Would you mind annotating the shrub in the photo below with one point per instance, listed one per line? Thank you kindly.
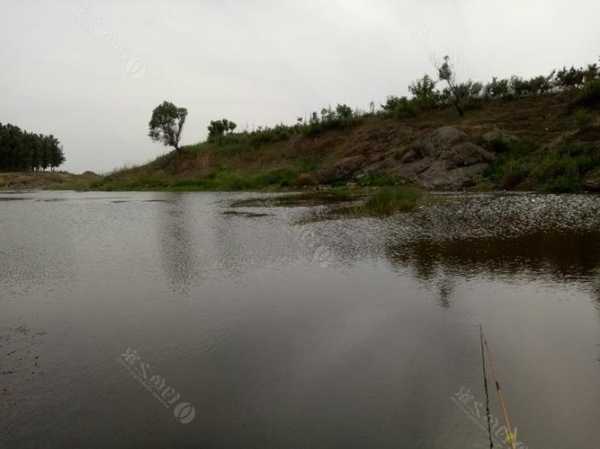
(399, 107)
(218, 128)
(389, 200)
(467, 94)
(583, 119)
(424, 93)
(541, 84)
(380, 180)
(282, 177)
(514, 172)
(569, 78)
(590, 94)
(497, 88)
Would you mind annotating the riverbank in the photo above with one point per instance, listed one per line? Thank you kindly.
(43, 180)
(540, 143)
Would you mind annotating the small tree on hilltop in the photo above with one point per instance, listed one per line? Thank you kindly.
(231, 126)
(218, 128)
(424, 92)
(167, 123)
(446, 73)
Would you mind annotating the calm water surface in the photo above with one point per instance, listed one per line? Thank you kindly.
(283, 333)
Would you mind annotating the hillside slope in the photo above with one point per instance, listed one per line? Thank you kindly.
(532, 143)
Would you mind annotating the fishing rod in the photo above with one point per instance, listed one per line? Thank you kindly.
(485, 387)
(511, 437)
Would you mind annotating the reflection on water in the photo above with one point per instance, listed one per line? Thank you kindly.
(176, 243)
(560, 256)
(347, 333)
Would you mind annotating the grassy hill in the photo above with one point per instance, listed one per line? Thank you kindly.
(539, 142)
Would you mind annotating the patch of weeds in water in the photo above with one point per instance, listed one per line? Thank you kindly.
(377, 202)
(305, 199)
(387, 201)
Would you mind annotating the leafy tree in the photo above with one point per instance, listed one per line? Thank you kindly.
(541, 85)
(344, 112)
(218, 128)
(424, 92)
(570, 78)
(592, 72)
(446, 73)
(497, 88)
(399, 107)
(167, 123)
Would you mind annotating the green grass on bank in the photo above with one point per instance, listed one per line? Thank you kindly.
(221, 180)
(560, 169)
(389, 200)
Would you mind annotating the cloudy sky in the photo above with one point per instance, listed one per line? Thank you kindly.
(90, 72)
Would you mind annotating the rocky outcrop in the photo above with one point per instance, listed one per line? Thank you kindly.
(444, 159)
(499, 139)
(591, 182)
(343, 169)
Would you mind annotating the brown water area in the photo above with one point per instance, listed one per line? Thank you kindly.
(162, 320)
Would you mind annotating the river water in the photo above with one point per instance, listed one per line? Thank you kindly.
(159, 320)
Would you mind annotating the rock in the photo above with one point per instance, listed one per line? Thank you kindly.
(306, 179)
(410, 156)
(466, 154)
(438, 177)
(342, 169)
(445, 160)
(438, 141)
(591, 182)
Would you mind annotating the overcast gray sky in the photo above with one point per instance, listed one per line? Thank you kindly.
(90, 72)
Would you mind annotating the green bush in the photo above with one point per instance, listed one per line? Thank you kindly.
(399, 107)
(424, 93)
(514, 172)
(380, 180)
(497, 88)
(389, 200)
(283, 177)
(583, 119)
(590, 94)
(562, 170)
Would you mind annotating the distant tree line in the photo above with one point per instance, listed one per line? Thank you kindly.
(425, 94)
(24, 151)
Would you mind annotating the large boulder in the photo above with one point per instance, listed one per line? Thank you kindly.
(438, 177)
(438, 141)
(443, 159)
(591, 182)
(466, 154)
(343, 169)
